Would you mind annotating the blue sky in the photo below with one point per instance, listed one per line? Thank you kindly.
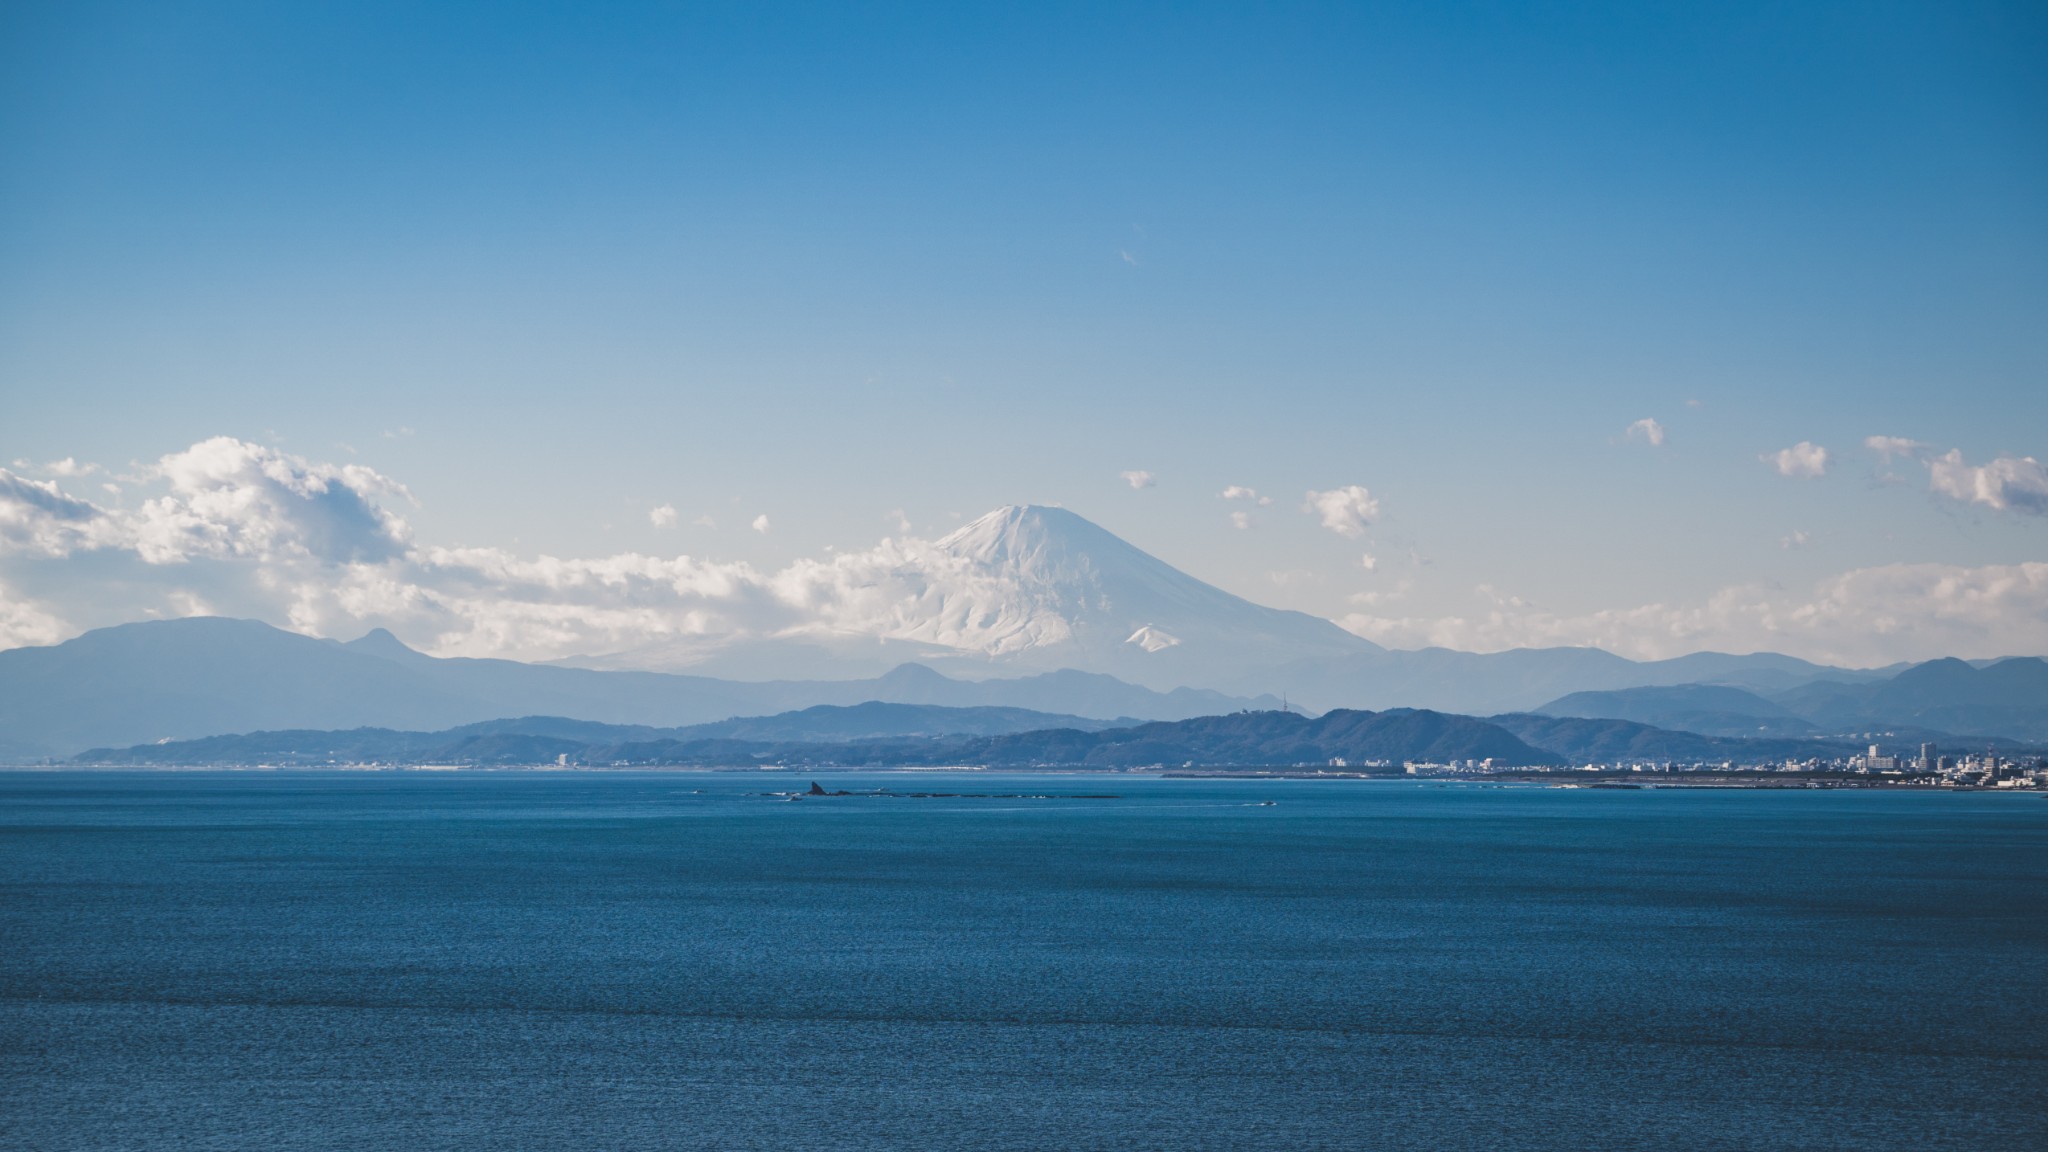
(553, 267)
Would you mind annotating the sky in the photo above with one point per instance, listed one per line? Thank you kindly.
(1657, 327)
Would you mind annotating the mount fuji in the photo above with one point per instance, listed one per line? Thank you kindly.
(1025, 588)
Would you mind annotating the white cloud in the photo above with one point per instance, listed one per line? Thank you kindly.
(1347, 511)
(1369, 562)
(1240, 492)
(1803, 460)
(1890, 446)
(1798, 538)
(663, 516)
(231, 498)
(1240, 519)
(2008, 484)
(1647, 429)
(1137, 478)
(902, 522)
(760, 523)
(1865, 617)
(705, 521)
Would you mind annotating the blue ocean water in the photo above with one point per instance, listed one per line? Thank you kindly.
(647, 961)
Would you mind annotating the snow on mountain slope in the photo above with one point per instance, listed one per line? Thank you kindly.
(1024, 588)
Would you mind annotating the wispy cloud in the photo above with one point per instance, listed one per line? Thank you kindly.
(1240, 492)
(1889, 447)
(66, 468)
(1138, 478)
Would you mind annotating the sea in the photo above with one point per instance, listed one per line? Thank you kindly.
(973, 960)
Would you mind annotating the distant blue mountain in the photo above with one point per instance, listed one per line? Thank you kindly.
(1586, 740)
(1940, 701)
(1708, 709)
(2004, 698)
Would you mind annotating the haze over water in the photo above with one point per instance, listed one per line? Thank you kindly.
(682, 961)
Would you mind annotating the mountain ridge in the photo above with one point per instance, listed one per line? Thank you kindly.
(1250, 738)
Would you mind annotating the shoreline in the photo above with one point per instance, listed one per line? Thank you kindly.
(1606, 780)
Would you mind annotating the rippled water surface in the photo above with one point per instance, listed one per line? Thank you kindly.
(551, 961)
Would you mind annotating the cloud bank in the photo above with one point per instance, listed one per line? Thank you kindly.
(241, 529)
(1869, 616)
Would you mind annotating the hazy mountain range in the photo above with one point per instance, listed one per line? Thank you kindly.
(1238, 739)
(1028, 607)
(178, 679)
(1939, 700)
